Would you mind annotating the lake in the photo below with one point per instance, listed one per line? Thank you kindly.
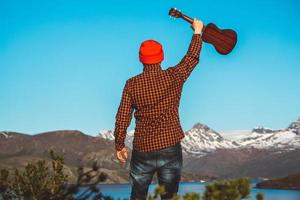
(123, 191)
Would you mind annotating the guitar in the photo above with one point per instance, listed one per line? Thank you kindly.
(223, 40)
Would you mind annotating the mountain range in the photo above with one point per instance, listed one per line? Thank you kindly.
(261, 152)
(201, 140)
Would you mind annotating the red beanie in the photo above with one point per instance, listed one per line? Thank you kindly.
(151, 52)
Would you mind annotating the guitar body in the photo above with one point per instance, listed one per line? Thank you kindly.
(223, 40)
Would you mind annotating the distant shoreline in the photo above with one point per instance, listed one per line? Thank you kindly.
(291, 182)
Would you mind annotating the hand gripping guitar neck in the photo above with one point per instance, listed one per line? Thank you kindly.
(223, 40)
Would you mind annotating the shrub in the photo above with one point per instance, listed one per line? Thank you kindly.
(38, 182)
(260, 196)
(235, 189)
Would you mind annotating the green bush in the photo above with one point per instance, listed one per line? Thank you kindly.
(235, 189)
(228, 189)
(260, 196)
(191, 196)
(38, 182)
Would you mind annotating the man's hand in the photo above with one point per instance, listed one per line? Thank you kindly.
(122, 155)
(197, 26)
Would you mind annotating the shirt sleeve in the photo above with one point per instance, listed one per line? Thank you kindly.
(184, 68)
(123, 118)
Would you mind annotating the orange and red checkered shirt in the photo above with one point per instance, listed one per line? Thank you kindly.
(154, 97)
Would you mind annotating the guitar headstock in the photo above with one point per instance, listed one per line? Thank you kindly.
(173, 12)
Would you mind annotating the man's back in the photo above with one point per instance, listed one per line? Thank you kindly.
(155, 96)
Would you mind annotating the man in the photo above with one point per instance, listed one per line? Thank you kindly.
(155, 96)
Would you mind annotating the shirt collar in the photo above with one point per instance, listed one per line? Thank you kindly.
(152, 67)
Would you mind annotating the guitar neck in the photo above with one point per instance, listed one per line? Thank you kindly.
(188, 19)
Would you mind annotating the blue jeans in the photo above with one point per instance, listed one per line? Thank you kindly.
(167, 163)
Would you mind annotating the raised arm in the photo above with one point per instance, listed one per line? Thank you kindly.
(184, 68)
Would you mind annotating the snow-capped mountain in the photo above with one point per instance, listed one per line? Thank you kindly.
(295, 127)
(201, 139)
(262, 138)
(4, 134)
(198, 141)
(274, 140)
(109, 134)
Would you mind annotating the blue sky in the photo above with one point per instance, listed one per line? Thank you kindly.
(63, 64)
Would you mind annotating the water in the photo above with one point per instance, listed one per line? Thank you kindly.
(122, 191)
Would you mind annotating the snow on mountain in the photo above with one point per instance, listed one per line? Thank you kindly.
(198, 141)
(4, 134)
(274, 140)
(109, 134)
(129, 139)
(201, 139)
(235, 134)
(295, 127)
(263, 138)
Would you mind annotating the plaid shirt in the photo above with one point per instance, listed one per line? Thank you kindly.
(154, 95)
